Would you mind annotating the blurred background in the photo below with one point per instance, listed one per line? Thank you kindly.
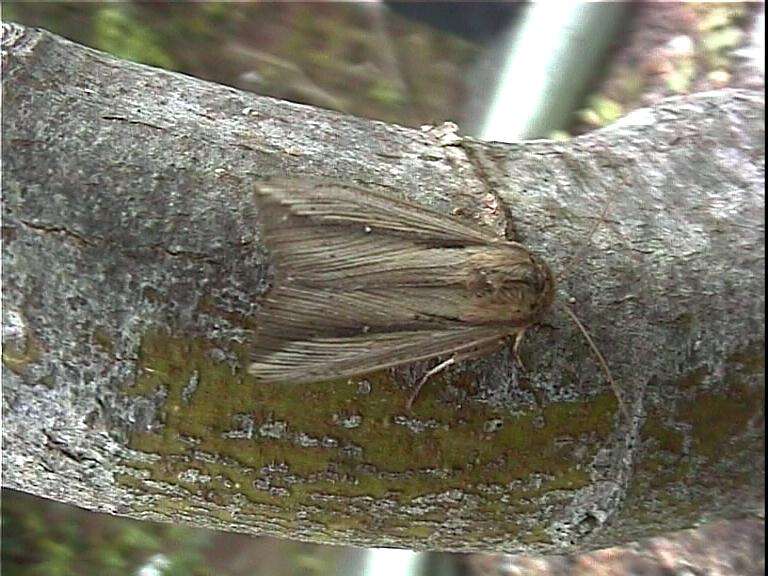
(500, 71)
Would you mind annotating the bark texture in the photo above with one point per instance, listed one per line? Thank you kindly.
(132, 270)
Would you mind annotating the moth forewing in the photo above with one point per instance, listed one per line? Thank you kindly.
(303, 362)
(363, 281)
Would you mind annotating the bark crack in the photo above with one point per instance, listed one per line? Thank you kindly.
(484, 168)
(47, 229)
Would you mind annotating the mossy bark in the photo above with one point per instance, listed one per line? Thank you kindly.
(132, 269)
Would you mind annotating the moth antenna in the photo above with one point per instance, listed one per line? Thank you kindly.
(601, 361)
(579, 256)
(592, 345)
(442, 366)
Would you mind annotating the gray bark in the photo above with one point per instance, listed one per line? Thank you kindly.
(132, 269)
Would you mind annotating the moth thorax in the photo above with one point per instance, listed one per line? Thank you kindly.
(510, 284)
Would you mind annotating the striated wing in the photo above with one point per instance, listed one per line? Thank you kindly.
(363, 281)
(331, 204)
(300, 312)
(278, 360)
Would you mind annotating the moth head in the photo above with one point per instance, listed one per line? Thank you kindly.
(546, 283)
(510, 285)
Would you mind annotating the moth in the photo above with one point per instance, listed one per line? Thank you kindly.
(362, 281)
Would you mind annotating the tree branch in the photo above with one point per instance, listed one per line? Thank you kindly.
(132, 269)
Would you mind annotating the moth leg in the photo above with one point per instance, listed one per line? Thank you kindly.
(480, 350)
(516, 349)
(442, 366)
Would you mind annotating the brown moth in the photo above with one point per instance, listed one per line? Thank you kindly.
(363, 281)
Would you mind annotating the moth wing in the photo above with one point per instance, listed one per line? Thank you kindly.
(304, 361)
(335, 204)
(329, 235)
(361, 282)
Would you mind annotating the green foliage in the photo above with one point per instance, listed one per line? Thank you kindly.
(682, 75)
(721, 33)
(601, 111)
(384, 92)
(116, 30)
(8, 13)
(332, 56)
(43, 538)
